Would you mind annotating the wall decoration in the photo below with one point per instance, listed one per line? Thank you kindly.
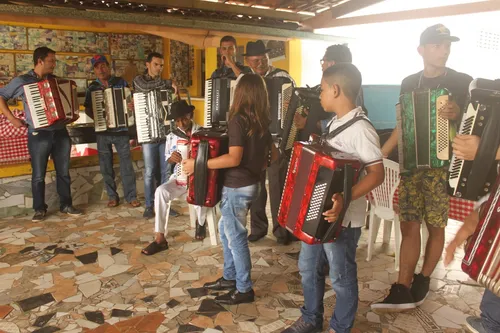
(128, 69)
(69, 41)
(13, 37)
(7, 65)
(179, 63)
(24, 63)
(278, 51)
(128, 46)
(74, 67)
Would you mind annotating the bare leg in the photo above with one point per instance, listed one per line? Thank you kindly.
(410, 252)
(433, 250)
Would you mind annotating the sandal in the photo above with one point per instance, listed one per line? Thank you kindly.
(113, 203)
(154, 248)
(201, 231)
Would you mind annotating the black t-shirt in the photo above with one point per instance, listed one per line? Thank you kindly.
(255, 153)
(456, 83)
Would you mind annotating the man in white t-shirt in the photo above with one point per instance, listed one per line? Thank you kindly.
(340, 87)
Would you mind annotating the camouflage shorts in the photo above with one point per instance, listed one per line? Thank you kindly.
(423, 196)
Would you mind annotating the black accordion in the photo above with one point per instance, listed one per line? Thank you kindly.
(302, 99)
(151, 109)
(218, 99)
(279, 91)
(473, 179)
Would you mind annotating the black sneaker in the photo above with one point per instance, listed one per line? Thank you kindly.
(420, 288)
(221, 284)
(39, 216)
(300, 326)
(148, 213)
(70, 210)
(235, 297)
(399, 299)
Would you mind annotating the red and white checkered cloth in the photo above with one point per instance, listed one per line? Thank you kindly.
(7, 130)
(459, 208)
(14, 150)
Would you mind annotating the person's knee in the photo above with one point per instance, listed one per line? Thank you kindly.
(162, 193)
(410, 229)
(436, 232)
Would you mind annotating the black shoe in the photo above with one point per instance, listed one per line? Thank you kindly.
(70, 210)
(300, 326)
(39, 216)
(283, 241)
(235, 297)
(173, 213)
(399, 299)
(221, 284)
(420, 288)
(148, 213)
(254, 238)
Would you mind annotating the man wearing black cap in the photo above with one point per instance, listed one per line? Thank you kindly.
(115, 136)
(257, 57)
(230, 67)
(423, 193)
(182, 114)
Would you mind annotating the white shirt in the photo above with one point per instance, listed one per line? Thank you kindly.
(171, 146)
(362, 142)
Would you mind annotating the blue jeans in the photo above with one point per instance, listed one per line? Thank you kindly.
(122, 145)
(156, 169)
(41, 144)
(341, 257)
(233, 233)
(490, 312)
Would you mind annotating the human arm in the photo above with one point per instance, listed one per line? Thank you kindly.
(13, 90)
(230, 160)
(465, 231)
(390, 144)
(465, 147)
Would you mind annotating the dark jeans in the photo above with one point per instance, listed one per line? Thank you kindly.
(122, 145)
(156, 169)
(258, 217)
(42, 144)
(490, 312)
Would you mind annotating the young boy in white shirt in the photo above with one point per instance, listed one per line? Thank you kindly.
(340, 86)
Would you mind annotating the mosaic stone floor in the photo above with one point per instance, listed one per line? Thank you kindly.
(87, 274)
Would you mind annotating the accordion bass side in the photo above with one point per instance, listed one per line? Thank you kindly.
(426, 136)
(205, 185)
(110, 108)
(218, 100)
(315, 173)
(52, 100)
(279, 90)
(302, 98)
(473, 179)
(151, 109)
(482, 254)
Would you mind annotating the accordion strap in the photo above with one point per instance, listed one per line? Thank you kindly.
(345, 126)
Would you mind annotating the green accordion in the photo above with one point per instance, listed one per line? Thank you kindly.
(424, 137)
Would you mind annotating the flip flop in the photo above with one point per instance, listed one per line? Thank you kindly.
(154, 248)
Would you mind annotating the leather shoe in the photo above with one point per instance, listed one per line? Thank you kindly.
(221, 284)
(301, 326)
(235, 297)
(254, 238)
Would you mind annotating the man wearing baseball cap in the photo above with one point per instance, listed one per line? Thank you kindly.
(119, 137)
(423, 193)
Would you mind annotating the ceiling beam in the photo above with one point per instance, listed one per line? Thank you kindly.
(221, 7)
(324, 18)
(202, 30)
(442, 11)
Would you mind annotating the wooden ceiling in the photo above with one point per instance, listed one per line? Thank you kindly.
(311, 6)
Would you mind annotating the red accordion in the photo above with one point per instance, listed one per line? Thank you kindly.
(205, 185)
(482, 254)
(314, 174)
(52, 100)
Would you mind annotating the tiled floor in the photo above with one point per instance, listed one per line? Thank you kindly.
(87, 274)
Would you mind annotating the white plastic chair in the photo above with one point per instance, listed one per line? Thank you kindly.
(382, 209)
(211, 218)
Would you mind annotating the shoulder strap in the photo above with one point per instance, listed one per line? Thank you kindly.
(276, 71)
(343, 127)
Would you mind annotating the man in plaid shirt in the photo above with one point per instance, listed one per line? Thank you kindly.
(156, 167)
(42, 142)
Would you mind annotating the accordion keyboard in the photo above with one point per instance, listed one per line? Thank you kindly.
(99, 110)
(141, 114)
(207, 119)
(36, 105)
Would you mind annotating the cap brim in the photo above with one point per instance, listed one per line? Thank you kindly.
(438, 40)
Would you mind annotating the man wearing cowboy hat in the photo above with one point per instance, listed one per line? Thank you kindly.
(258, 59)
(182, 114)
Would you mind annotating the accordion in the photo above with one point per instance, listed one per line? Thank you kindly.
(315, 173)
(110, 108)
(424, 137)
(218, 99)
(183, 149)
(302, 99)
(473, 179)
(151, 109)
(279, 90)
(205, 185)
(52, 100)
(482, 253)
